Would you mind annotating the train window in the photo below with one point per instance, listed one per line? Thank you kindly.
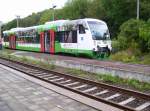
(37, 38)
(67, 36)
(60, 36)
(47, 35)
(74, 36)
(81, 29)
(28, 39)
(6, 39)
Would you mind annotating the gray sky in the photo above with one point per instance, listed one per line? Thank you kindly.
(10, 8)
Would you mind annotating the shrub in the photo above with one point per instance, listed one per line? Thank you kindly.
(146, 59)
(144, 35)
(134, 34)
(125, 56)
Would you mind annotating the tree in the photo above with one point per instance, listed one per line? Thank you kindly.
(75, 9)
(114, 12)
(134, 34)
(45, 16)
(96, 10)
(118, 11)
(144, 35)
(11, 24)
(144, 9)
(30, 20)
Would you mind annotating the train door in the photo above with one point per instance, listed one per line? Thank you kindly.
(47, 41)
(84, 38)
(12, 42)
(42, 42)
(52, 41)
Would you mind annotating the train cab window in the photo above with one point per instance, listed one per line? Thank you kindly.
(81, 29)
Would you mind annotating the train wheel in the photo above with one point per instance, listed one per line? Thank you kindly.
(107, 53)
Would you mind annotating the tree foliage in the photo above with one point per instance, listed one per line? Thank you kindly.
(75, 9)
(134, 34)
(144, 35)
(114, 12)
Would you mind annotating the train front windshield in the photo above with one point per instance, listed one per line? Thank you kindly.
(99, 30)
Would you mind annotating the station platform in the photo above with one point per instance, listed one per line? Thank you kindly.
(20, 94)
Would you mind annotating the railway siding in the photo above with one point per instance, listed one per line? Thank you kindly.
(124, 71)
(105, 70)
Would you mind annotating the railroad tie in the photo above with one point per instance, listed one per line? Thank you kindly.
(51, 77)
(143, 106)
(65, 81)
(113, 96)
(89, 90)
(70, 84)
(127, 101)
(53, 80)
(99, 93)
(81, 86)
(46, 76)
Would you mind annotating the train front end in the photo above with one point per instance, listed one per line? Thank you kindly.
(100, 38)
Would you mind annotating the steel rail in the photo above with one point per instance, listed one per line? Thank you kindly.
(114, 88)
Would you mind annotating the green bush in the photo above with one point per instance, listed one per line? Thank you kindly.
(145, 59)
(129, 33)
(125, 56)
(119, 44)
(134, 34)
(144, 35)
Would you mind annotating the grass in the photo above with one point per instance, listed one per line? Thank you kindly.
(145, 59)
(129, 57)
(6, 51)
(106, 78)
(39, 63)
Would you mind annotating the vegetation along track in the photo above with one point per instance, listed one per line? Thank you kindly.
(127, 100)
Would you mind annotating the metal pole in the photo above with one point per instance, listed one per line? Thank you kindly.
(54, 6)
(0, 32)
(17, 20)
(0, 29)
(53, 14)
(138, 9)
(0, 36)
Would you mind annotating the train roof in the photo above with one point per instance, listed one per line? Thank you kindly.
(57, 22)
(51, 25)
(16, 29)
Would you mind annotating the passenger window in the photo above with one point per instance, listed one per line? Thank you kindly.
(81, 29)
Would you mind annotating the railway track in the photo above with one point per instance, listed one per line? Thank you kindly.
(127, 100)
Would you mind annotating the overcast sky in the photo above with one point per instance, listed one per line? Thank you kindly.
(10, 8)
